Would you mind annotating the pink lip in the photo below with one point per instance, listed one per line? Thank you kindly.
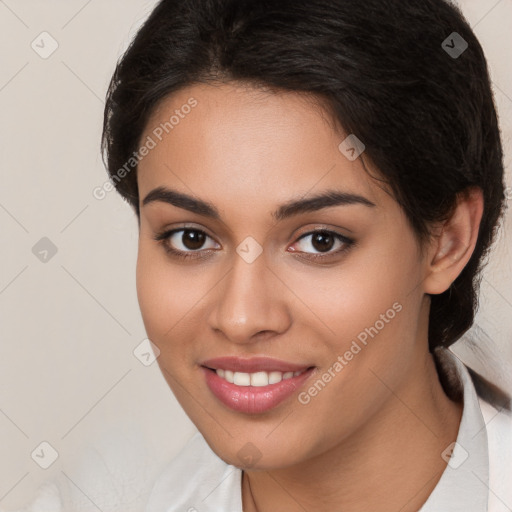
(253, 364)
(253, 399)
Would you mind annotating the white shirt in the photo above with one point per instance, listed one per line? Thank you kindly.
(478, 477)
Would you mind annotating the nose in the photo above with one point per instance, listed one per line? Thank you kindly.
(250, 304)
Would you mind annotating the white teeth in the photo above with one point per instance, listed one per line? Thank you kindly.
(257, 379)
(275, 377)
(242, 379)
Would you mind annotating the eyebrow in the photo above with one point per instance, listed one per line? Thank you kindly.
(293, 207)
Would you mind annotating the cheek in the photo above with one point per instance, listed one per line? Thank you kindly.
(169, 305)
(165, 294)
(152, 290)
(353, 296)
(369, 317)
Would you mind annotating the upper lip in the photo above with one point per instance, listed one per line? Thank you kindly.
(253, 364)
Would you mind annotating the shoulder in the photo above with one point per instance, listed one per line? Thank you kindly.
(197, 479)
(496, 419)
(495, 405)
(498, 423)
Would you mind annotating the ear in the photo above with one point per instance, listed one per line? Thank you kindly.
(454, 242)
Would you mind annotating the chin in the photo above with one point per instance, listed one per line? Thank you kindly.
(255, 452)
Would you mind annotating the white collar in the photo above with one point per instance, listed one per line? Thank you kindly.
(465, 481)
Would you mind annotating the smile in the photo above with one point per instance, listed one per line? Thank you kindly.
(254, 385)
(257, 379)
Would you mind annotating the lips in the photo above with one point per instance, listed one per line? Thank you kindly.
(254, 385)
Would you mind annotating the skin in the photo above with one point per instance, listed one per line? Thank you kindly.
(372, 438)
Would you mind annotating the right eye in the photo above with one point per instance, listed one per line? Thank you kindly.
(184, 242)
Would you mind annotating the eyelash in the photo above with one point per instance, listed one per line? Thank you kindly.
(163, 239)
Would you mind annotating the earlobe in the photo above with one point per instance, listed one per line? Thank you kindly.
(454, 243)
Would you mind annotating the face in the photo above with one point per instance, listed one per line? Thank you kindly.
(246, 274)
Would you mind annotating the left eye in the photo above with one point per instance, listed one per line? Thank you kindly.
(323, 241)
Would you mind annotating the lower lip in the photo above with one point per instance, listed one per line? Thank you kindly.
(253, 399)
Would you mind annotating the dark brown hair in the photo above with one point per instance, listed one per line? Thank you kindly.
(391, 72)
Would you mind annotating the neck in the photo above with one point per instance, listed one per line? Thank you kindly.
(392, 463)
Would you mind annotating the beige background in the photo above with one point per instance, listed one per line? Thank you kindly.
(69, 326)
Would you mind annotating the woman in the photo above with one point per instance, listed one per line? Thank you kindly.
(317, 185)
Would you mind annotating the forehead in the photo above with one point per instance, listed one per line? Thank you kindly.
(237, 141)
